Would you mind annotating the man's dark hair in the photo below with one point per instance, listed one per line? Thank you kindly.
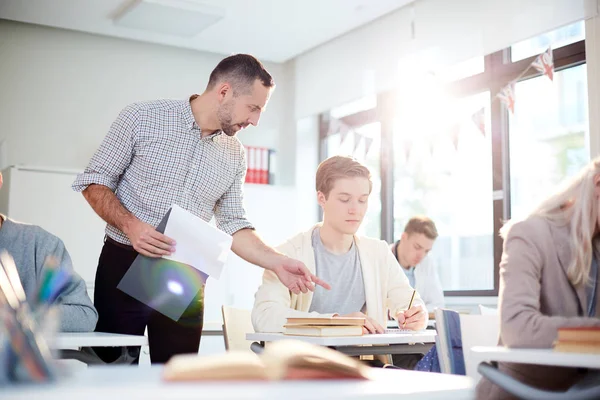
(240, 71)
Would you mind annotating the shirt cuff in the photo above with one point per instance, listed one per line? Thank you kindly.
(88, 178)
(232, 226)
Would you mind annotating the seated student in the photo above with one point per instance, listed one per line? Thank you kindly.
(549, 279)
(412, 253)
(30, 245)
(364, 276)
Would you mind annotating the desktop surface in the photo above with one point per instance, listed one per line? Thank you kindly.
(105, 382)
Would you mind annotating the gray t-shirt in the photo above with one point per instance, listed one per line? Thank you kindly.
(343, 272)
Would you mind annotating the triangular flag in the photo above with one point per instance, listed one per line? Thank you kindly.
(478, 119)
(454, 134)
(344, 131)
(507, 96)
(545, 63)
(368, 143)
(357, 137)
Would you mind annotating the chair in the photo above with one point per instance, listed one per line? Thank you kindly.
(477, 330)
(449, 342)
(236, 323)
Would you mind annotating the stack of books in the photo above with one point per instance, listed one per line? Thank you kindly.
(336, 326)
(578, 340)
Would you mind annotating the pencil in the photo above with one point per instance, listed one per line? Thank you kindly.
(410, 305)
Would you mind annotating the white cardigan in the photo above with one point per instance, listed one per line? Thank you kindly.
(386, 287)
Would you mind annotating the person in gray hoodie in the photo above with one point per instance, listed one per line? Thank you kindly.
(30, 246)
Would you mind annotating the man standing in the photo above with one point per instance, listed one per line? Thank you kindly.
(168, 152)
(412, 255)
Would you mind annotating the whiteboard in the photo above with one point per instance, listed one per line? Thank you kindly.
(43, 196)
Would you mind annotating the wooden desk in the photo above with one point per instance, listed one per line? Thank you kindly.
(122, 382)
(401, 343)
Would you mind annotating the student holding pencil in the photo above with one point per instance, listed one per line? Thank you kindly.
(365, 277)
(46, 273)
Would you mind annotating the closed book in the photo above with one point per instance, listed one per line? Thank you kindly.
(285, 359)
(579, 334)
(316, 330)
(322, 321)
(577, 347)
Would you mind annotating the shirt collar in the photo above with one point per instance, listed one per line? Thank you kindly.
(188, 116)
(190, 121)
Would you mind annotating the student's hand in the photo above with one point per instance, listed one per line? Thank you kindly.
(413, 318)
(370, 326)
(148, 241)
(296, 277)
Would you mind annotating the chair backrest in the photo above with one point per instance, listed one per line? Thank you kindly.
(477, 330)
(484, 310)
(449, 342)
(236, 323)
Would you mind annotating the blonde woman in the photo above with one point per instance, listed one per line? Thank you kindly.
(549, 279)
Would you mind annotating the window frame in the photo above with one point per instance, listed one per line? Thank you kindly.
(498, 71)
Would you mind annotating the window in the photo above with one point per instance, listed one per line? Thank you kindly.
(467, 180)
(557, 38)
(434, 174)
(548, 135)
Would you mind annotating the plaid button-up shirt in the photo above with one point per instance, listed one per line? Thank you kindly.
(154, 156)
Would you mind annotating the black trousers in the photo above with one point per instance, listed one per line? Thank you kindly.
(120, 313)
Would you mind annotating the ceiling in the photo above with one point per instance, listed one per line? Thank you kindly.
(272, 30)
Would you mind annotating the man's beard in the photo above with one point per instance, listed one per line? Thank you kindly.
(225, 120)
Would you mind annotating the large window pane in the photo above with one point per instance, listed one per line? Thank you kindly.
(557, 38)
(549, 135)
(448, 180)
(354, 143)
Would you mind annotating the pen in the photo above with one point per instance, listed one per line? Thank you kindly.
(409, 305)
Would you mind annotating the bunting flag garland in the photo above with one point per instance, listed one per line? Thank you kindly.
(545, 64)
(507, 96)
(478, 119)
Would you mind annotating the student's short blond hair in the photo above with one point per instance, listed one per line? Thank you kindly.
(423, 225)
(339, 167)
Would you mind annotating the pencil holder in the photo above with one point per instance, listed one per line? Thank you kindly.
(25, 355)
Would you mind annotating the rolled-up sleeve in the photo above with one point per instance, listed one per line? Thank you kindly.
(114, 155)
(229, 210)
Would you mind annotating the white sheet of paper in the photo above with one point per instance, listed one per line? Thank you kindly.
(198, 243)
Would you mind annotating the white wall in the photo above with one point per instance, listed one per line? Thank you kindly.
(61, 90)
(367, 59)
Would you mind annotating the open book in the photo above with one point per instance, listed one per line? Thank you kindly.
(285, 359)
